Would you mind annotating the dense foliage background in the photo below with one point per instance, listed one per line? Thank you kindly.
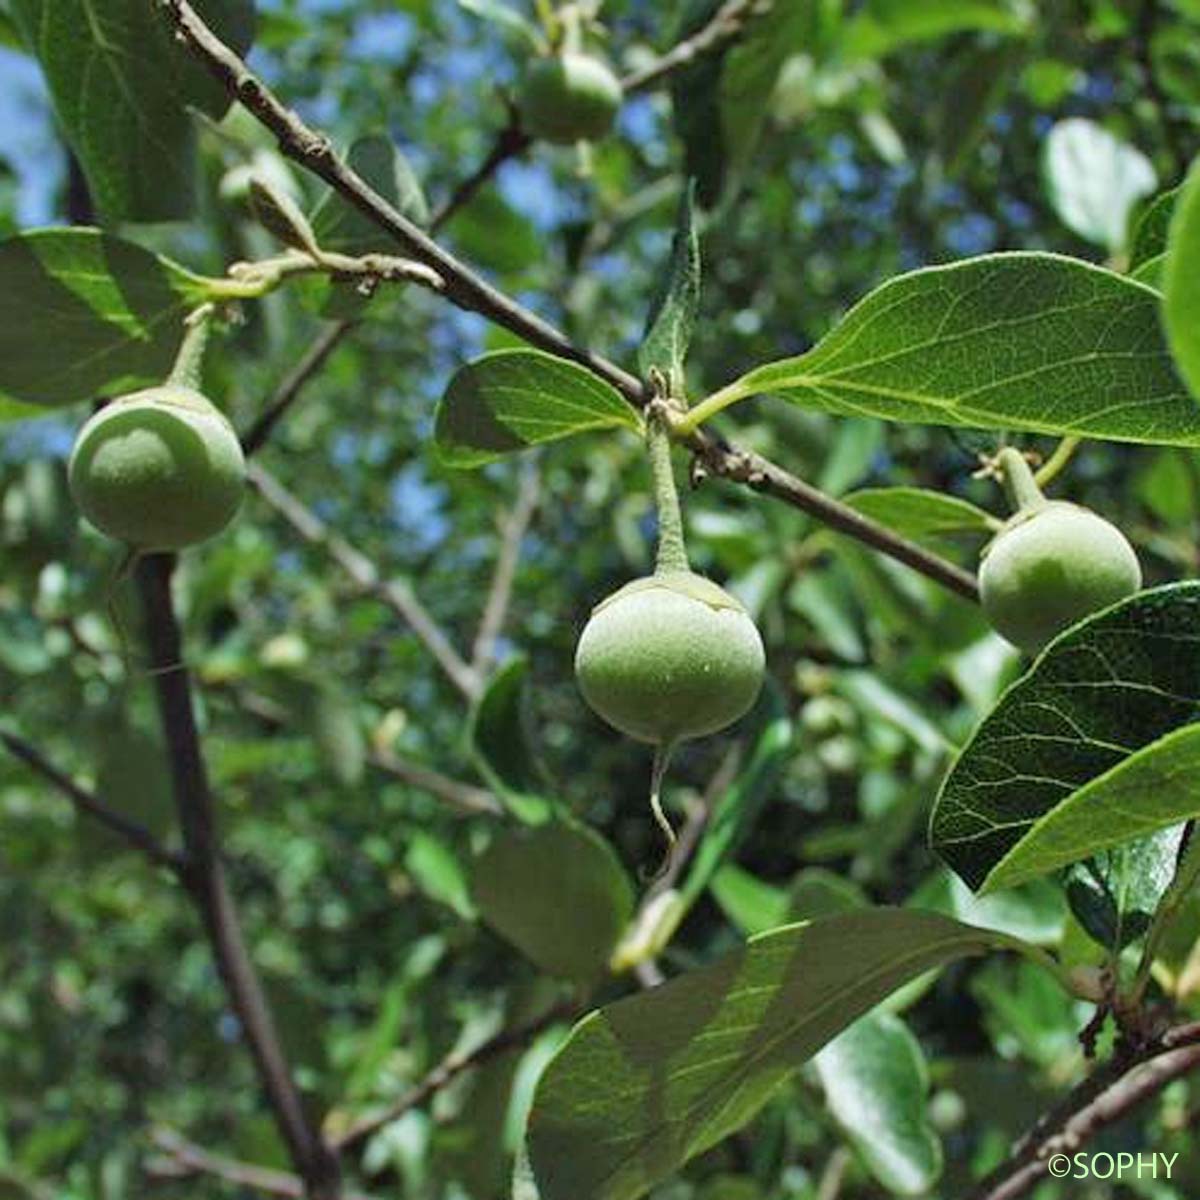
(897, 136)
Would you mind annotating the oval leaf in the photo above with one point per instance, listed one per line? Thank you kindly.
(122, 86)
(1027, 341)
(876, 1084)
(1150, 232)
(513, 399)
(1181, 282)
(645, 1084)
(1102, 691)
(118, 307)
(1094, 180)
(558, 893)
(1148, 791)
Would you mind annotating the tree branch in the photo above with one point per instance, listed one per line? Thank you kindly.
(396, 595)
(726, 26)
(204, 876)
(513, 530)
(464, 288)
(511, 142)
(293, 383)
(136, 835)
(1105, 1096)
(450, 1068)
(186, 1158)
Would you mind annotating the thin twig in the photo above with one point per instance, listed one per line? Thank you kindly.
(834, 1174)
(204, 875)
(468, 290)
(513, 529)
(1105, 1096)
(398, 596)
(183, 1158)
(511, 142)
(726, 26)
(293, 383)
(463, 797)
(450, 1068)
(136, 835)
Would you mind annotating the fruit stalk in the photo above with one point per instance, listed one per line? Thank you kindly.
(189, 361)
(672, 551)
(1020, 486)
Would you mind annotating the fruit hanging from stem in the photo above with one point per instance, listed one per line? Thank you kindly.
(670, 656)
(1052, 564)
(162, 468)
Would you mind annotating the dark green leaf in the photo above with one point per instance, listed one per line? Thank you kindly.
(122, 86)
(876, 1083)
(1102, 691)
(1036, 342)
(513, 399)
(502, 746)
(645, 1084)
(887, 25)
(82, 312)
(924, 516)
(558, 893)
(1150, 233)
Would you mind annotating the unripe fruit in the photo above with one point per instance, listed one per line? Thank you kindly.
(669, 657)
(570, 97)
(1051, 566)
(158, 469)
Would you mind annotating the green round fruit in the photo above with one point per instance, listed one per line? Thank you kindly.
(159, 469)
(1051, 566)
(569, 98)
(670, 657)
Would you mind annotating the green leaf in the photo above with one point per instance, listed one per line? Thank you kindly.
(979, 82)
(1150, 790)
(887, 25)
(876, 1083)
(341, 227)
(438, 872)
(1150, 233)
(1027, 341)
(502, 746)
(673, 313)
(1094, 180)
(1034, 913)
(720, 101)
(643, 1085)
(337, 735)
(116, 308)
(558, 893)
(923, 516)
(1100, 693)
(513, 399)
(1181, 282)
(750, 903)
(121, 86)
(1115, 893)
(499, 13)
(739, 807)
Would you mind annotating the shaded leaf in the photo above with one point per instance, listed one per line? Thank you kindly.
(1094, 180)
(1101, 691)
(121, 86)
(501, 743)
(887, 25)
(513, 399)
(506, 17)
(558, 893)
(645, 1084)
(1149, 238)
(1028, 341)
(876, 1083)
(922, 515)
(116, 306)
